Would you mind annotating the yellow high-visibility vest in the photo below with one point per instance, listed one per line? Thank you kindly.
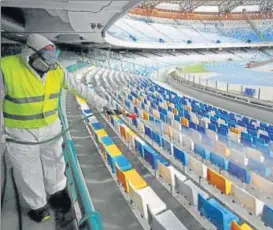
(29, 103)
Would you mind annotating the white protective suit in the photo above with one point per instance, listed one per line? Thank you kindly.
(40, 168)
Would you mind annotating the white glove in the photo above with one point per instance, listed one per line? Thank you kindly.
(108, 109)
(3, 138)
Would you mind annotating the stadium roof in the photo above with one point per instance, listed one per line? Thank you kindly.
(211, 5)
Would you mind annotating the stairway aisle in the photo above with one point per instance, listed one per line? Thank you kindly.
(105, 194)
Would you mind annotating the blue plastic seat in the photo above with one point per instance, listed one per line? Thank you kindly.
(148, 131)
(216, 213)
(107, 140)
(239, 172)
(157, 138)
(264, 148)
(121, 161)
(219, 161)
(267, 216)
(139, 147)
(200, 150)
(97, 125)
(258, 167)
(180, 155)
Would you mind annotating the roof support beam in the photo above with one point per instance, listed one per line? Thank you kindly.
(189, 5)
(228, 6)
(266, 6)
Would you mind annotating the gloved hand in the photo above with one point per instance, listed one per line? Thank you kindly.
(108, 110)
(3, 138)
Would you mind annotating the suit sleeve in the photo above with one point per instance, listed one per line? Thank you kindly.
(77, 88)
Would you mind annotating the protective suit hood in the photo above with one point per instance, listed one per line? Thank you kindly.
(34, 43)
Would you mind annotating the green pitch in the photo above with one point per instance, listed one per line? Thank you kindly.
(198, 68)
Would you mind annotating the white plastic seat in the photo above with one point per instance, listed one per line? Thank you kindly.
(166, 221)
(249, 201)
(177, 136)
(198, 167)
(187, 142)
(212, 135)
(190, 191)
(261, 183)
(177, 125)
(238, 157)
(222, 149)
(234, 137)
(168, 174)
(254, 154)
(146, 196)
(196, 136)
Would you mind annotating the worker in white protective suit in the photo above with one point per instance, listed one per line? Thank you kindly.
(32, 82)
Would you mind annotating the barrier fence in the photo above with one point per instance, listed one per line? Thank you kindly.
(256, 92)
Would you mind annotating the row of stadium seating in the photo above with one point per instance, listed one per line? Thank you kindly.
(153, 157)
(183, 159)
(145, 29)
(250, 132)
(148, 63)
(151, 207)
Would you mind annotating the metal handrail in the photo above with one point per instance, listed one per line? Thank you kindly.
(91, 219)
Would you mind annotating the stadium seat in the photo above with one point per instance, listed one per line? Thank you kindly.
(106, 141)
(131, 175)
(152, 156)
(166, 221)
(187, 142)
(261, 183)
(139, 145)
(267, 216)
(236, 226)
(221, 148)
(218, 160)
(259, 168)
(180, 155)
(112, 150)
(200, 150)
(238, 157)
(254, 154)
(239, 172)
(168, 174)
(248, 201)
(219, 181)
(121, 161)
(196, 136)
(216, 213)
(190, 191)
(197, 166)
(144, 197)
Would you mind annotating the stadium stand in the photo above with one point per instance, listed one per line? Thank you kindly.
(224, 184)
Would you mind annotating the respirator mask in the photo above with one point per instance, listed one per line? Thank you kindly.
(45, 59)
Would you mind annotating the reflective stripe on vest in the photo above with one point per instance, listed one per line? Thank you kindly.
(30, 117)
(29, 103)
(30, 99)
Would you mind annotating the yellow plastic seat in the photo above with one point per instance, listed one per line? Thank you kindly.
(235, 226)
(101, 133)
(145, 116)
(219, 181)
(131, 175)
(113, 150)
(81, 100)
